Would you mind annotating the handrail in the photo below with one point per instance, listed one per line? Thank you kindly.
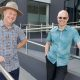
(36, 43)
(74, 56)
(72, 23)
(5, 73)
(41, 29)
(34, 29)
(45, 27)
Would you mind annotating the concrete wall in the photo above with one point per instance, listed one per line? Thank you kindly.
(34, 62)
(23, 7)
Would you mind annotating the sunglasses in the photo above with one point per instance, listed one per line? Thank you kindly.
(62, 18)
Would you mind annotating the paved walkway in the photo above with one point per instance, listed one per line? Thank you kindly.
(73, 66)
(24, 75)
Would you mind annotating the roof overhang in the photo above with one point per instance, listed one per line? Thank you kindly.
(45, 1)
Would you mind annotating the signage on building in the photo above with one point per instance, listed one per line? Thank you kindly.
(45, 1)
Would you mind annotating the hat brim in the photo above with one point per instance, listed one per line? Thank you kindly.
(4, 8)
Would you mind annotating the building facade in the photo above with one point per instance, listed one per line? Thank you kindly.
(45, 11)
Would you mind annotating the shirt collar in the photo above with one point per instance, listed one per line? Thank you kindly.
(2, 25)
(66, 28)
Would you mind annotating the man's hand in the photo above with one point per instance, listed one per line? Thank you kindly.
(22, 43)
(2, 59)
(47, 46)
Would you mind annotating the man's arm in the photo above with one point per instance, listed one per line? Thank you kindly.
(47, 46)
(22, 43)
(78, 45)
(2, 59)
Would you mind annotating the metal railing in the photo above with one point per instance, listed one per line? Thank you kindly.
(40, 28)
(5, 73)
(28, 28)
(76, 57)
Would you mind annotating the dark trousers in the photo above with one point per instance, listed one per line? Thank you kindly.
(14, 74)
(54, 72)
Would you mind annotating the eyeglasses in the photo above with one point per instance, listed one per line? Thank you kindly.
(62, 18)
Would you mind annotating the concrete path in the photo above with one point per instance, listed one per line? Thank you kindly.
(24, 75)
(73, 66)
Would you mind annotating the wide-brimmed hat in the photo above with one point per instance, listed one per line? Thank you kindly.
(11, 5)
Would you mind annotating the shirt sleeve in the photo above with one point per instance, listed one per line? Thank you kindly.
(21, 34)
(49, 38)
(76, 36)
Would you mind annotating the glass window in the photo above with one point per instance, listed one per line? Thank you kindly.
(36, 12)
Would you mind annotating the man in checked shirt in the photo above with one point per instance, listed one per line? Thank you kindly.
(9, 34)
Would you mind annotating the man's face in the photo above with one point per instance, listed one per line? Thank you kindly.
(10, 16)
(62, 18)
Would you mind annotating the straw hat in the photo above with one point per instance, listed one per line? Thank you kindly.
(11, 5)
